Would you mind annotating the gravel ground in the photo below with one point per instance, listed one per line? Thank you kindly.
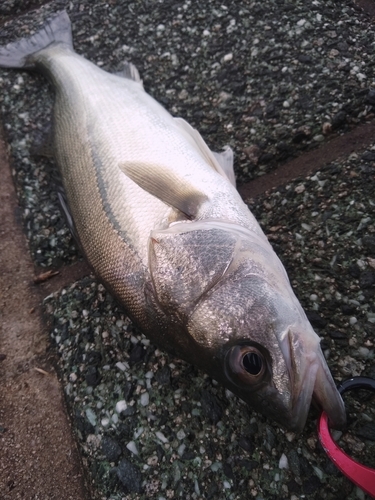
(272, 79)
(172, 428)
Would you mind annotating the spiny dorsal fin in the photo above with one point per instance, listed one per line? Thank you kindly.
(129, 71)
(225, 159)
(221, 162)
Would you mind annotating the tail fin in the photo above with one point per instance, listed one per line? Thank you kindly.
(17, 54)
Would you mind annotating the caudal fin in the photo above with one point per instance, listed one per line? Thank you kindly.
(17, 54)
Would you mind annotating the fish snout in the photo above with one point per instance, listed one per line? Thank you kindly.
(328, 398)
(310, 380)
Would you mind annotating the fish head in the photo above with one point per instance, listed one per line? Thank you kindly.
(244, 325)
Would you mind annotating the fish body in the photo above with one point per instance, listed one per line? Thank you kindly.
(158, 218)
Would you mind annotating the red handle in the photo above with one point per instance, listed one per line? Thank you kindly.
(359, 474)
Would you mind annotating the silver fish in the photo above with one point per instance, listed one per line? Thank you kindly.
(160, 221)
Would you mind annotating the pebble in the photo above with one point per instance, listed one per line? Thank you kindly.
(145, 399)
(130, 476)
(110, 448)
(161, 436)
(131, 446)
(283, 462)
(181, 434)
(91, 416)
(121, 366)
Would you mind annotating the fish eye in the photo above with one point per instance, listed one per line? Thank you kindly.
(246, 364)
(252, 362)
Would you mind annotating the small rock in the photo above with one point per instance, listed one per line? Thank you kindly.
(367, 279)
(121, 406)
(371, 96)
(183, 94)
(348, 309)
(132, 447)
(342, 46)
(137, 354)
(188, 455)
(253, 152)
(305, 59)
(327, 128)
(294, 463)
(83, 425)
(129, 476)
(354, 270)
(211, 407)
(338, 119)
(339, 337)
(283, 462)
(367, 431)
(246, 444)
(271, 111)
(301, 134)
(266, 158)
(228, 471)
(368, 156)
(315, 319)
(318, 138)
(369, 243)
(93, 358)
(92, 376)
(145, 399)
(228, 57)
(111, 449)
(163, 376)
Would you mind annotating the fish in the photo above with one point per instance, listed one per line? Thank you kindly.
(158, 217)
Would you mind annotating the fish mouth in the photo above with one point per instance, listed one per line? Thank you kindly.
(328, 398)
(311, 380)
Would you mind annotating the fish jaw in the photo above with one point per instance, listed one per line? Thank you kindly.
(327, 397)
(310, 377)
(310, 380)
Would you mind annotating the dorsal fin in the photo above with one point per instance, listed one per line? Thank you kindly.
(221, 162)
(129, 71)
(225, 159)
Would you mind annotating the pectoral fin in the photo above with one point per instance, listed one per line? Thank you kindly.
(166, 185)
